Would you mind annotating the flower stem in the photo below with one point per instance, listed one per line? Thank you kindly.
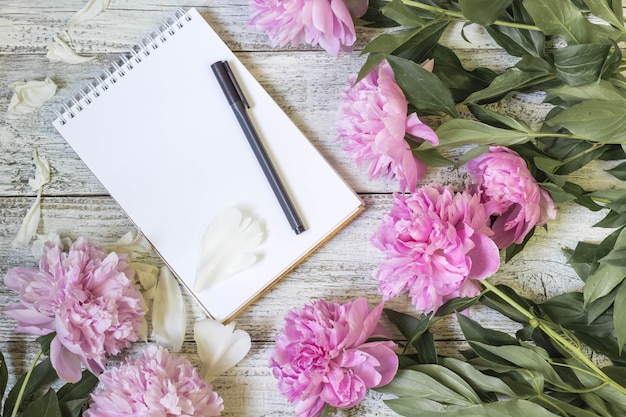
(557, 337)
(460, 17)
(20, 394)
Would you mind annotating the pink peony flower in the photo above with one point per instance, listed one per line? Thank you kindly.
(436, 246)
(86, 296)
(511, 193)
(323, 356)
(324, 22)
(157, 384)
(372, 124)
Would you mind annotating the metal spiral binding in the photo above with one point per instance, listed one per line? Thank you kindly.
(120, 67)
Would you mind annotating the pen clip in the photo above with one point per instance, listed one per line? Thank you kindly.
(233, 79)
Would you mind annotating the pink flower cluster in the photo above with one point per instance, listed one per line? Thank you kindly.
(155, 384)
(511, 193)
(373, 126)
(439, 244)
(323, 355)
(87, 296)
(436, 245)
(324, 22)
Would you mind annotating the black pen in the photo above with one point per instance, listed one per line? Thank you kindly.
(238, 104)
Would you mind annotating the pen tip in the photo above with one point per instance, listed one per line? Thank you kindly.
(299, 229)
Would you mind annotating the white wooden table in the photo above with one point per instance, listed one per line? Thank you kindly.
(306, 83)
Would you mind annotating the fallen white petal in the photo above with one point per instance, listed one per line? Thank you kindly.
(169, 314)
(91, 9)
(58, 50)
(131, 244)
(38, 245)
(30, 95)
(225, 247)
(29, 226)
(42, 172)
(147, 274)
(220, 347)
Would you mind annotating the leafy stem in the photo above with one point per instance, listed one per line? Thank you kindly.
(461, 18)
(558, 338)
(20, 394)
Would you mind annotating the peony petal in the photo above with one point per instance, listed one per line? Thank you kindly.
(357, 8)
(169, 314)
(64, 362)
(485, 257)
(42, 172)
(220, 347)
(132, 244)
(58, 50)
(91, 9)
(30, 95)
(225, 247)
(29, 226)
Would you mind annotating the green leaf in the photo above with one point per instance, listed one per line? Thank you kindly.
(578, 65)
(420, 47)
(619, 315)
(412, 383)
(397, 11)
(560, 18)
(602, 90)
(386, 43)
(602, 9)
(518, 42)
(474, 332)
(44, 342)
(594, 120)
(450, 379)
(461, 132)
(456, 305)
(410, 327)
(498, 119)
(483, 12)
(510, 408)
(370, 63)
(42, 375)
(45, 406)
(493, 301)
(4, 376)
(432, 157)
(460, 81)
(535, 359)
(515, 248)
(508, 81)
(425, 348)
(73, 408)
(603, 281)
(613, 219)
(619, 171)
(413, 406)
(477, 379)
(423, 89)
(70, 393)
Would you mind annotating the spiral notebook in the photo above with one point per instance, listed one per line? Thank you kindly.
(157, 132)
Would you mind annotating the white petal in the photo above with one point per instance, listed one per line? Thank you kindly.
(42, 172)
(225, 247)
(220, 347)
(147, 275)
(29, 226)
(169, 315)
(38, 245)
(58, 50)
(30, 95)
(131, 244)
(91, 9)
